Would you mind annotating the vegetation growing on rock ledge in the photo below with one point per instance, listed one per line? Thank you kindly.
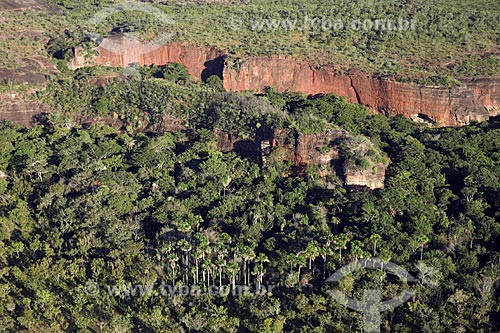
(361, 154)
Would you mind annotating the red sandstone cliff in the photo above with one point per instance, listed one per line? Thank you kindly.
(488, 92)
(120, 51)
(476, 100)
(447, 107)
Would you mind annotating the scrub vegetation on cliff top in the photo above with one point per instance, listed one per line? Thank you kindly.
(451, 39)
(448, 36)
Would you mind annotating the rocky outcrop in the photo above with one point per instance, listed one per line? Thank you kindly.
(323, 150)
(20, 108)
(443, 106)
(32, 71)
(286, 74)
(23, 5)
(227, 142)
(371, 179)
(476, 100)
(364, 164)
(317, 149)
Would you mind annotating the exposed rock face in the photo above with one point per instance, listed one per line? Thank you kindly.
(121, 51)
(312, 148)
(446, 107)
(368, 178)
(488, 92)
(321, 150)
(29, 71)
(21, 76)
(363, 163)
(475, 101)
(23, 5)
(227, 142)
(285, 74)
(20, 109)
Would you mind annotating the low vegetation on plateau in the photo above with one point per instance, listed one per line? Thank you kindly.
(447, 38)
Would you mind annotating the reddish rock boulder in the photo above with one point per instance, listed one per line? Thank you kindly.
(20, 108)
(322, 150)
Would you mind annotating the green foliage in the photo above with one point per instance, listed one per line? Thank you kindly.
(174, 72)
(443, 81)
(478, 66)
(215, 83)
(361, 154)
(239, 113)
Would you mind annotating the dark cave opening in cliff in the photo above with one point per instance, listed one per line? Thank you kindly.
(213, 67)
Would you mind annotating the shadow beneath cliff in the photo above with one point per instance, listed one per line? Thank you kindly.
(247, 148)
(213, 67)
(494, 122)
(40, 119)
(423, 118)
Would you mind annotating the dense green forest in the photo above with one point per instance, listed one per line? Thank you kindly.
(89, 212)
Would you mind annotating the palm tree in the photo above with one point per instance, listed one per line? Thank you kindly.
(311, 252)
(225, 183)
(232, 269)
(220, 263)
(247, 254)
(324, 252)
(198, 255)
(260, 271)
(224, 240)
(203, 244)
(422, 240)
(185, 247)
(297, 260)
(207, 268)
(184, 227)
(172, 260)
(375, 239)
(341, 243)
(357, 251)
